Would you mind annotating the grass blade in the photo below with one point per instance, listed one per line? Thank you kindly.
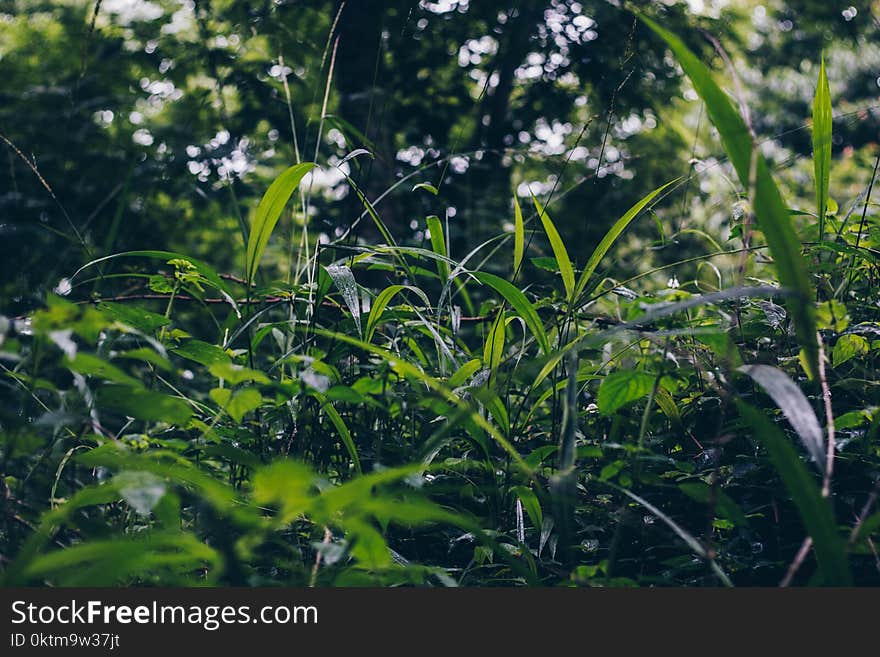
(815, 511)
(769, 207)
(268, 213)
(518, 300)
(794, 406)
(822, 144)
(612, 235)
(519, 236)
(341, 428)
(559, 250)
(438, 244)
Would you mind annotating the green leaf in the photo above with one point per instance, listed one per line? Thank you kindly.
(815, 511)
(794, 406)
(341, 428)
(770, 210)
(847, 347)
(519, 236)
(268, 213)
(530, 503)
(203, 353)
(822, 128)
(144, 404)
(91, 365)
(559, 250)
(428, 187)
(832, 316)
(523, 307)
(209, 275)
(235, 374)
(134, 316)
(438, 244)
(725, 506)
(623, 387)
(381, 302)
(612, 235)
(493, 349)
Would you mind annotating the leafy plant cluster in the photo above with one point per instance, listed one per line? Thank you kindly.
(390, 414)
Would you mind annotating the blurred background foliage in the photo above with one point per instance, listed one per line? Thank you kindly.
(158, 124)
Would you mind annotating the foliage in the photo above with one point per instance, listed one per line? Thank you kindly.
(291, 387)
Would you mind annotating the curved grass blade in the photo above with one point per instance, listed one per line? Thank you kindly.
(378, 307)
(814, 510)
(519, 236)
(612, 235)
(438, 244)
(822, 129)
(794, 406)
(518, 300)
(269, 211)
(341, 428)
(559, 250)
(769, 207)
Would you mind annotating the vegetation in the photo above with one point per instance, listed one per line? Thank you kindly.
(439, 294)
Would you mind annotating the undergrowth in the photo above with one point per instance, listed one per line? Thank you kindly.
(394, 413)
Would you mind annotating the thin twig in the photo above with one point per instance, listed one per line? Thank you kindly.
(798, 560)
(829, 418)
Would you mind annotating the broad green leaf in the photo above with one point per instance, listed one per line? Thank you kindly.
(832, 315)
(530, 503)
(519, 236)
(815, 511)
(134, 316)
(559, 250)
(116, 561)
(202, 353)
(288, 483)
(769, 208)
(794, 406)
(847, 347)
(520, 304)
(822, 129)
(612, 235)
(238, 405)
(623, 387)
(148, 356)
(91, 365)
(268, 212)
(235, 374)
(144, 404)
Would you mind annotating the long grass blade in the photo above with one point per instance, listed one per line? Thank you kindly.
(769, 208)
(559, 250)
(822, 129)
(611, 236)
(268, 212)
(815, 511)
